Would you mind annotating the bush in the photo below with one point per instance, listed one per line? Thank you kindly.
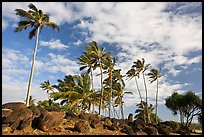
(173, 124)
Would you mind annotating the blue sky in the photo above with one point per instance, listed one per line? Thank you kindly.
(167, 35)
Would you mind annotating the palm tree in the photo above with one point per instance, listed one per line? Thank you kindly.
(141, 67)
(78, 95)
(110, 63)
(97, 57)
(143, 111)
(154, 75)
(35, 19)
(86, 62)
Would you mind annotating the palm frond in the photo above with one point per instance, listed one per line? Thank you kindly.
(52, 25)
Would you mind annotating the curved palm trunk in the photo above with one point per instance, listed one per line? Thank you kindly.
(148, 118)
(111, 90)
(92, 89)
(101, 100)
(140, 96)
(32, 69)
(138, 89)
(156, 102)
(122, 109)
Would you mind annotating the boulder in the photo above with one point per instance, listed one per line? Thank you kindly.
(84, 115)
(127, 129)
(131, 117)
(93, 117)
(96, 124)
(49, 120)
(14, 106)
(18, 117)
(6, 112)
(107, 122)
(71, 115)
(150, 130)
(113, 127)
(164, 129)
(82, 126)
(115, 121)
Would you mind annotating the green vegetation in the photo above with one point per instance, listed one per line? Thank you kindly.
(187, 106)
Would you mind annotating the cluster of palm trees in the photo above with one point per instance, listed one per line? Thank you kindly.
(137, 68)
(77, 91)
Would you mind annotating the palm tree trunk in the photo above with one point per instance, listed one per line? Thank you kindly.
(138, 89)
(110, 97)
(32, 68)
(92, 88)
(156, 102)
(101, 100)
(146, 97)
(122, 111)
(140, 96)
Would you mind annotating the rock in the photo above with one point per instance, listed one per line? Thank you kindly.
(82, 126)
(115, 121)
(138, 124)
(84, 115)
(184, 131)
(17, 117)
(49, 120)
(93, 117)
(71, 115)
(127, 129)
(96, 124)
(164, 129)
(14, 106)
(35, 110)
(140, 133)
(6, 112)
(113, 127)
(107, 122)
(6, 130)
(130, 117)
(150, 130)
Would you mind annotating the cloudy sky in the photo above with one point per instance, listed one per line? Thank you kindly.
(167, 35)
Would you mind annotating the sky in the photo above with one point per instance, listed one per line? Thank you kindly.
(167, 35)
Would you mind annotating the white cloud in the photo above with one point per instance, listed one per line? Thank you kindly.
(54, 44)
(78, 42)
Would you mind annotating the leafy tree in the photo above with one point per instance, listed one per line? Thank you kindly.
(35, 19)
(188, 106)
(154, 75)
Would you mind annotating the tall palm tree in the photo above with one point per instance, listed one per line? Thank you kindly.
(110, 63)
(133, 73)
(35, 19)
(154, 75)
(86, 62)
(141, 68)
(97, 56)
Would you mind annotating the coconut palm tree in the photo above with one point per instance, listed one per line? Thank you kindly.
(154, 75)
(77, 94)
(35, 19)
(97, 56)
(86, 62)
(141, 68)
(110, 63)
(143, 111)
